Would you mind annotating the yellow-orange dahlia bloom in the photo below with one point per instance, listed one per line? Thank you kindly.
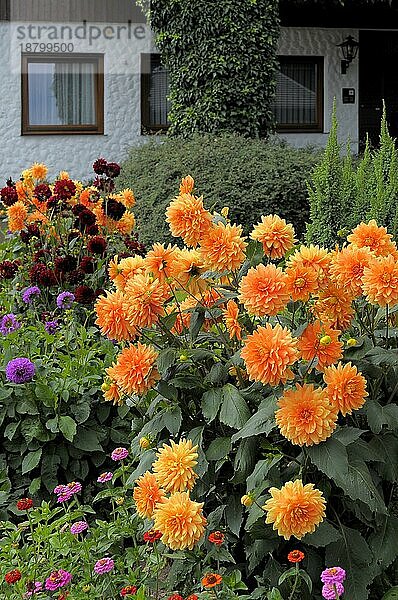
(147, 494)
(380, 281)
(174, 466)
(180, 520)
(263, 291)
(112, 393)
(186, 269)
(146, 297)
(276, 236)
(319, 341)
(188, 219)
(301, 282)
(38, 171)
(231, 314)
(17, 214)
(222, 247)
(187, 185)
(373, 237)
(112, 317)
(347, 268)
(334, 305)
(127, 198)
(135, 371)
(126, 224)
(306, 416)
(295, 509)
(268, 353)
(311, 256)
(346, 387)
(120, 272)
(159, 260)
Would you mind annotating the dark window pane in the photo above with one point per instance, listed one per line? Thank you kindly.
(158, 92)
(297, 93)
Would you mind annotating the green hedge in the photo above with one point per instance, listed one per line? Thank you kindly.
(252, 177)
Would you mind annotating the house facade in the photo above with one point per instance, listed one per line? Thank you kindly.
(82, 78)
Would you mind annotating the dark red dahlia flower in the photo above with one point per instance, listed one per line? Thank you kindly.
(84, 294)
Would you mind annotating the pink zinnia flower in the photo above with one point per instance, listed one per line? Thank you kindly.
(78, 527)
(65, 495)
(74, 487)
(333, 575)
(104, 477)
(59, 489)
(104, 565)
(119, 454)
(57, 580)
(38, 588)
(328, 590)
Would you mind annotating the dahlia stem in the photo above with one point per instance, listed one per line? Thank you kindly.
(295, 582)
(387, 326)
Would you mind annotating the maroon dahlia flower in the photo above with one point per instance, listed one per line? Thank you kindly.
(64, 189)
(97, 245)
(9, 195)
(84, 294)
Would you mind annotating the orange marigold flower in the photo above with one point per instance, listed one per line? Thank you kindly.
(319, 341)
(147, 494)
(188, 219)
(346, 387)
(135, 371)
(211, 580)
(217, 538)
(174, 466)
(263, 291)
(347, 268)
(222, 247)
(180, 520)
(126, 224)
(380, 281)
(112, 317)
(295, 509)
(159, 260)
(17, 214)
(146, 297)
(301, 282)
(334, 305)
(295, 556)
(187, 185)
(268, 353)
(39, 171)
(373, 237)
(276, 236)
(127, 198)
(231, 314)
(306, 416)
(112, 393)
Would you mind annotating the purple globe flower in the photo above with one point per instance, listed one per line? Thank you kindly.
(9, 324)
(30, 293)
(329, 590)
(104, 477)
(104, 565)
(333, 575)
(20, 370)
(51, 326)
(78, 527)
(65, 300)
(58, 579)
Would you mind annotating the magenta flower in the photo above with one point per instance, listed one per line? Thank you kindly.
(59, 489)
(104, 565)
(104, 477)
(64, 496)
(333, 575)
(329, 590)
(38, 587)
(58, 579)
(78, 527)
(75, 487)
(119, 454)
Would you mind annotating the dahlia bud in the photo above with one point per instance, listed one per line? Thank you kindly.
(325, 340)
(145, 443)
(86, 588)
(105, 387)
(351, 342)
(247, 500)
(183, 357)
(120, 500)
(225, 211)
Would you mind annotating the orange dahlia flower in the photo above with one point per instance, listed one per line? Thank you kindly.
(380, 281)
(311, 256)
(222, 247)
(39, 171)
(276, 236)
(373, 237)
(210, 580)
(306, 415)
(17, 214)
(112, 317)
(186, 269)
(188, 219)
(180, 520)
(159, 260)
(263, 291)
(334, 305)
(135, 371)
(126, 224)
(268, 353)
(112, 393)
(320, 341)
(295, 509)
(347, 268)
(187, 185)
(146, 297)
(301, 282)
(127, 198)
(346, 387)
(231, 314)
(174, 466)
(147, 494)
(121, 272)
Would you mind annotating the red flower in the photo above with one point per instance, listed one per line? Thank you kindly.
(175, 597)
(128, 590)
(64, 189)
(152, 535)
(13, 576)
(217, 538)
(192, 597)
(24, 504)
(97, 245)
(84, 294)
(295, 556)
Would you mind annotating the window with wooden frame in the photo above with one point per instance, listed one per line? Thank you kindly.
(62, 94)
(154, 92)
(298, 103)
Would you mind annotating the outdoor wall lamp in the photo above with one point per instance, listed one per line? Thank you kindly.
(349, 48)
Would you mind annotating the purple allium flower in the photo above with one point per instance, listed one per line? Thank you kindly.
(9, 324)
(333, 575)
(20, 370)
(58, 579)
(51, 326)
(65, 300)
(329, 590)
(78, 527)
(119, 454)
(104, 477)
(29, 294)
(104, 565)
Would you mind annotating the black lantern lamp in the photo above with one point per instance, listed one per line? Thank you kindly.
(349, 49)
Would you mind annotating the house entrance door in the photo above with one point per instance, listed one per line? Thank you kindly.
(378, 81)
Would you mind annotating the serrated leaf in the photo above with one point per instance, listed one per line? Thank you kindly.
(10, 430)
(383, 542)
(31, 460)
(378, 415)
(218, 448)
(386, 446)
(261, 471)
(274, 594)
(263, 421)
(68, 427)
(81, 412)
(347, 435)
(234, 410)
(392, 594)
(87, 439)
(165, 359)
(172, 419)
(330, 457)
(196, 436)
(234, 514)
(323, 535)
(196, 322)
(211, 402)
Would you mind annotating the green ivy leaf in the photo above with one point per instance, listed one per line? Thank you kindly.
(234, 410)
(31, 460)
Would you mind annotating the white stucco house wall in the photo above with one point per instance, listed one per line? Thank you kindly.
(81, 79)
